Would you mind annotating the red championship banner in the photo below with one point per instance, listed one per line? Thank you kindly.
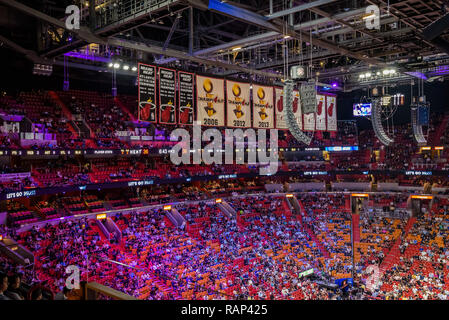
(297, 109)
(147, 92)
(281, 118)
(263, 107)
(210, 101)
(331, 113)
(320, 118)
(309, 122)
(167, 96)
(238, 104)
(185, 103)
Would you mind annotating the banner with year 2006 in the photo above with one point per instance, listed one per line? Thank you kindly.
(263, 107)
(147, 92)
(331, 113)
(281, 117)
(210, 103)
(238, 104)
(185, 106)
(167, 96)
(320, 119)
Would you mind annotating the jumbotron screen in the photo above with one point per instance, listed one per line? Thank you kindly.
(362, 109)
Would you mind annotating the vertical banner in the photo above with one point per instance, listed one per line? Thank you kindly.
(281, 117)
(297, 109)
(238, 105)
(167, 96)
(147, 93)
(185, 103)
(210, 101)
(263, 109)
(331, 113)
(320, 118)
(309, 122)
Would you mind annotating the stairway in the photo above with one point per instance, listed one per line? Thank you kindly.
(66, 112)
(393, 256)
(309, 231)
(124, 108)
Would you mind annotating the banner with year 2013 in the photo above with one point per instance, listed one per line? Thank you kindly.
(185, 106)
(210, 103)
(167, 96)
(238, 104)
(147, 93)
(263, 107)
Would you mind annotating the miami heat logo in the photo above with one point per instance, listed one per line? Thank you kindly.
(330, 110)
(320, 107)
(236, 91)
(208, 88)
(147, 109)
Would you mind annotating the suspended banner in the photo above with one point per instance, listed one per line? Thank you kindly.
(309, 122)
(238, 105)
(297, 110)
(263, 109)
(331, 113)
(320, 118)
(147, 93)
(167, 96)
(210, 101)
(281, 118)
(185, 103)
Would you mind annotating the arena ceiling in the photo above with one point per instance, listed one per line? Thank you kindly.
(255, 39)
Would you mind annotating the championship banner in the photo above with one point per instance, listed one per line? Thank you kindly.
(238, 105)
(147, 92)
(281, 117)
(297, 109)
(210, 101)
(320, 118)
(309, 122)
(331, 113)
(263, 109)
(167, 96)
(185, 103)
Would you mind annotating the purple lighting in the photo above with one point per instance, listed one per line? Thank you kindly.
(83, 56)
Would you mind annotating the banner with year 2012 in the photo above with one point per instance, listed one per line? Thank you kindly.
(167, 96)
(210, 103)
(147, 93)
(185, 106)
(263, 107)
(238, 104)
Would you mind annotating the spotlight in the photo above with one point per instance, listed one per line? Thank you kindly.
(386, 72)
(236, 48)
(368, 74)
(116, 66)
(110, 65)
(134, 69)
(362, 76)
(125, 67)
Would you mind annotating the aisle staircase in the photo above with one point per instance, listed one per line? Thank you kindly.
(393, 256)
